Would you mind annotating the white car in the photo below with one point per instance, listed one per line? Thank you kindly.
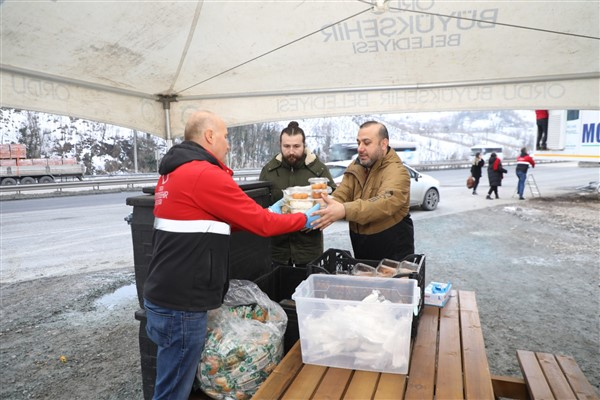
(424, 189)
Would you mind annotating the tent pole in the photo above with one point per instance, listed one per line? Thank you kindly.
(168, 128)
(135, 151)
(166, 102)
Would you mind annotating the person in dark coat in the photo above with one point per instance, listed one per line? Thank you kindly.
(294, 165)
(495, 175)
(476, 166)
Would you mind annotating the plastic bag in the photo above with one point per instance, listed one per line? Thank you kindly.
(244, 343)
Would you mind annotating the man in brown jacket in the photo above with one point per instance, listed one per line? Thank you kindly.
(374, 197)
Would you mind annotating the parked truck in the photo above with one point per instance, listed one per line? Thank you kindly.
(16, 168)
(573, 135)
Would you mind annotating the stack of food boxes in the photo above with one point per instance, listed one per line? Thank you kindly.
(302, 198)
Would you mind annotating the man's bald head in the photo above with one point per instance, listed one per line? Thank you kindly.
(209, 131)
(198, 122)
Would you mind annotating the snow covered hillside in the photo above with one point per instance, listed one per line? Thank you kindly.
(110, 149)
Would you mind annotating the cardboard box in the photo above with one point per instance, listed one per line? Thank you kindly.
(355, 322)
(437, 294)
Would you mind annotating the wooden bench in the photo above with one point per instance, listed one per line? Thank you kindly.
(550, 376)
(448, 361)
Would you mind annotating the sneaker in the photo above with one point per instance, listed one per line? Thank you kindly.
(474, 193)
(489, 197)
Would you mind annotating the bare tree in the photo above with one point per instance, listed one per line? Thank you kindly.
(251, 146)
(31, 134)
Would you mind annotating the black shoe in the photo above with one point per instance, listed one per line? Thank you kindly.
(497, 197)
(521, 198)
(489, 197)
(474, 193)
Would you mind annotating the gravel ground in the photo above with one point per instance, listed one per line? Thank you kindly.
(533, 264)
(535, 270)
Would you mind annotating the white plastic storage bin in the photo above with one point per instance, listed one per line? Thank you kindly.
(356, 322)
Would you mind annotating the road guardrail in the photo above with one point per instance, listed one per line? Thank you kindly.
(129, 182)
(96, 183)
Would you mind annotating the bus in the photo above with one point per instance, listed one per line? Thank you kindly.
(486, 150)
(348, 151)
(573, 135)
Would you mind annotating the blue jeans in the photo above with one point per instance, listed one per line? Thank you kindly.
(180, 337)
(521, 185)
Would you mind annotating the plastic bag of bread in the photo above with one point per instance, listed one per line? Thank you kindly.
(244, 343)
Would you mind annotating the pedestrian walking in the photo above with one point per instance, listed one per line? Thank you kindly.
(495, 175)
(476, 167)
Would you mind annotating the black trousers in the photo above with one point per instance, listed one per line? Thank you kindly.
(476, 183)
(493, 189)
(542, 136)
(394, 243)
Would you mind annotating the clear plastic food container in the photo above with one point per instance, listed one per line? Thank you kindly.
(319, 187)
(297, 199)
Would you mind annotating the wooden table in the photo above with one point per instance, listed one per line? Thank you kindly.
(448, 361)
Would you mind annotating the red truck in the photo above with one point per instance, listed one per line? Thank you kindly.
(16, 168)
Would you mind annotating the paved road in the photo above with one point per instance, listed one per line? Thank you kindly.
(552, 179)
(60, 236)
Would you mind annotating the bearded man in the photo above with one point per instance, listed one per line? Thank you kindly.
(293, 166)
(374, 197)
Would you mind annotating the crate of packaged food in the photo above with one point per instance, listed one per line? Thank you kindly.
(356, 322)
(341, 262)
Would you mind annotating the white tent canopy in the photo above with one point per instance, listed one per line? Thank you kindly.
(147, 65)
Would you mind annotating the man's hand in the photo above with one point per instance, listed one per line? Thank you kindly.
(276, 207)
(330, 212)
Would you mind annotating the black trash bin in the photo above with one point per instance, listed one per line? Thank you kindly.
(250, 259)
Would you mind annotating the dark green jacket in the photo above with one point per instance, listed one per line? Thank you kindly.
(299, 247)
